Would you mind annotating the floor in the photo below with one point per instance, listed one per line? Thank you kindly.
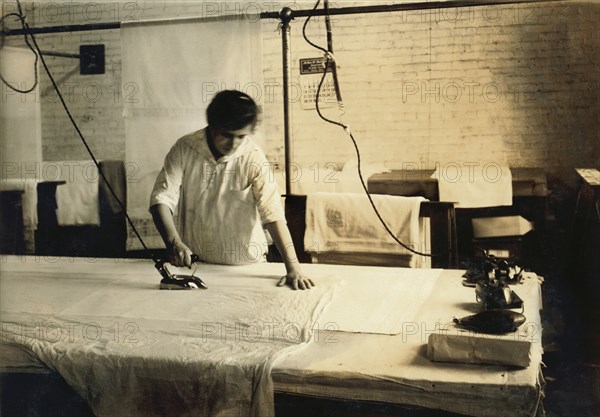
(571, 357)
(571, 321)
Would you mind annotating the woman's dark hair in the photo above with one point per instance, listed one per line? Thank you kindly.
(231, 110)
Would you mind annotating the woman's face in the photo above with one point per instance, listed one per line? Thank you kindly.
(227, 141)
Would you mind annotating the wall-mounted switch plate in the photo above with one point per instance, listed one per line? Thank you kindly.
(91, 59)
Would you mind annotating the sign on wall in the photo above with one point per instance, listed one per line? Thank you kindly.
(311, 72)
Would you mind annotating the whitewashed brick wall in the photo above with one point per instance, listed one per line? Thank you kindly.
(506, 84)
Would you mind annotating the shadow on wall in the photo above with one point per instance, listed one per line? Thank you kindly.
(557, 48)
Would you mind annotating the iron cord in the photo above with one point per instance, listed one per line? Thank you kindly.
(330, 60)
(37, 49)
(21, 18)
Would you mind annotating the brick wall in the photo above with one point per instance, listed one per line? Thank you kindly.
(93, 100)
(503, 84)
(514, 85)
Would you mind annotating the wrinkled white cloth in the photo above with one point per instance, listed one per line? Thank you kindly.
(131, 350)
(221, 205)
(476, 185)
(346, 222)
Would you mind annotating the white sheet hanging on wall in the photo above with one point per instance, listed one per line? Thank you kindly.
(171, 71)
(20, 116)
(21, 134)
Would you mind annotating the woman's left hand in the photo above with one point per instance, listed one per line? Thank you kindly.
(296, 280)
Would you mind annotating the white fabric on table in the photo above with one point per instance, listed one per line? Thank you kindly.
(130, 349)
(391, 303)
(395, 368)
(335, 364)
(346, 222)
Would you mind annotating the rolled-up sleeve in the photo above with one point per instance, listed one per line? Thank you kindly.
(265, 190)
(168, 182)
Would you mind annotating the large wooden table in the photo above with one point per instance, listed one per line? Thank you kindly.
(368, 344)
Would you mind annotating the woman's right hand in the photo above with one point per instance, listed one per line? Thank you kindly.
(179, 254)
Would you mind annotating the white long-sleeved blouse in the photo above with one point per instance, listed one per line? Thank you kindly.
(222, 204)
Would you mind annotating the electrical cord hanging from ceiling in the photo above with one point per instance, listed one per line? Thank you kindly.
(330, 61)
(29, 33)
(21, 18)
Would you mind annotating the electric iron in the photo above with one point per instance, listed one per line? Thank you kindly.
(178, 281)
(492, 321)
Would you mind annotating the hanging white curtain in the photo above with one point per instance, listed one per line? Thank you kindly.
(20, 116)
(21, 134)
(171, 71)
